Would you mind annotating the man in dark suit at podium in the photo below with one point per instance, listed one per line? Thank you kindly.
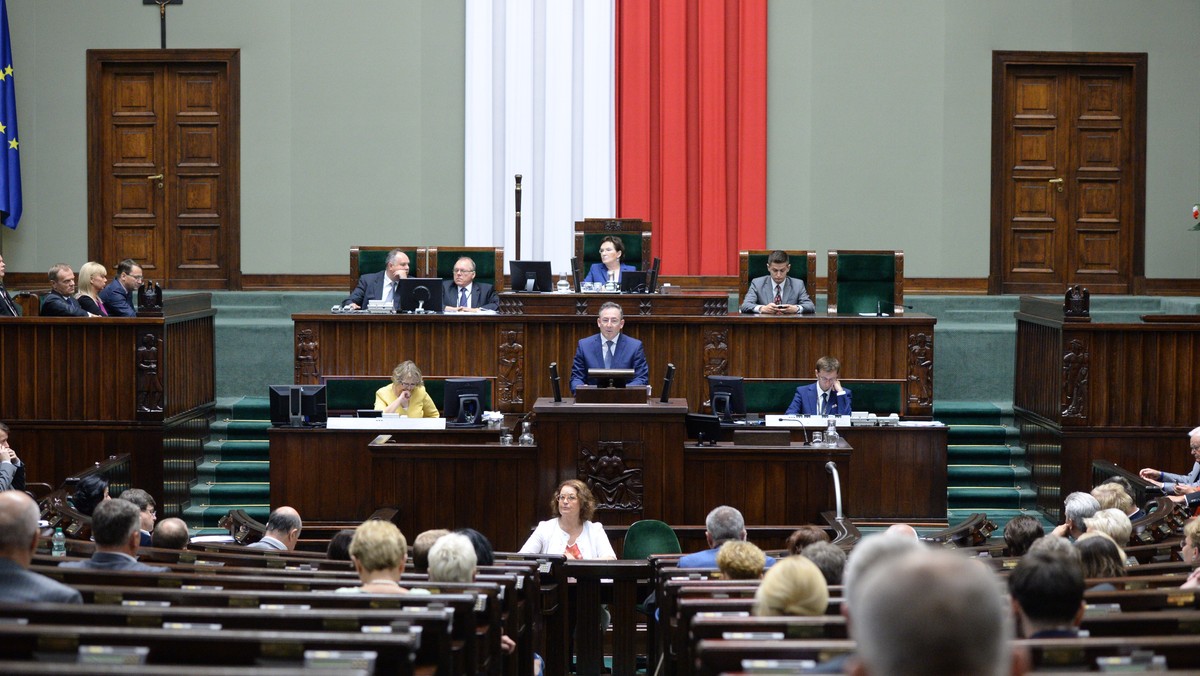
(464, 294)
(379, 285)
(609, 349)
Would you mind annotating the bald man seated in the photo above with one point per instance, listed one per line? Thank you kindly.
(170, 534)
(283, 531)
(18, 541)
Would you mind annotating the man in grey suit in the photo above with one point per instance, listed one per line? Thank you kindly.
(283, 531)
(776, 293)
(18, 540)
(116, 529)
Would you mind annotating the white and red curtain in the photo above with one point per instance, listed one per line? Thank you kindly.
(652, 109)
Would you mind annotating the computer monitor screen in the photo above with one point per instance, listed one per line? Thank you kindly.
(420, 295)
(703, 428)
(531, 276)
(298, 405)
(462, 402)
(635, 281)
(610, 377)
(727, 395)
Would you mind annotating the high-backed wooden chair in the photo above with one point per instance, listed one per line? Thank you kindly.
(489, 263)
(635, 234)
(862, 281)
(753, 264)
(29, 302)
(367, 259)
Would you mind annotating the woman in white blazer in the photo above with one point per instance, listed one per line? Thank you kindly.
(571, 531)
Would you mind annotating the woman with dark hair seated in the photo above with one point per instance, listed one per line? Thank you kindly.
(610, 267)
(1101, 558)
(339, 545)
(90, 492)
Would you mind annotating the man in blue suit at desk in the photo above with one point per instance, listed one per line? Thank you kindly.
(610, 349)
(379, 285)
(824, 397)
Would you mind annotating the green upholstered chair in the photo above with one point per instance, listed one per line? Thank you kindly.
(772, 395)
(367, 259)
(753, 264)
(347, 394)
(860, 280)
(647, 537)
(489, 263)
(635, 234)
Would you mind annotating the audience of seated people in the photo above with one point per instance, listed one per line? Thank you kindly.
(793, 586)
(18, 541)
(116, 527)
(1020, 533)
(421, 546)
(283, 530)
(339, 545)
(91, 491)
(148, 512)
(722, 525)
(1112, 495)
(740, 560)
(1101, 557)
(378, 552)
(1190, 552)
(170, 533)
(1111, 522)
(1077, 507)
(805, 536)
(828, 558)
(1047, 594)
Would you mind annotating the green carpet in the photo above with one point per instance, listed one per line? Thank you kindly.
(985, 469)
(236, 470)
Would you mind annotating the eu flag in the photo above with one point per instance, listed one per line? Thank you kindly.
(10, 166)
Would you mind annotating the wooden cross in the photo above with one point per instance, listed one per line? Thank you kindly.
(162, 16)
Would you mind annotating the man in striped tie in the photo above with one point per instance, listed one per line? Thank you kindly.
(824, 397)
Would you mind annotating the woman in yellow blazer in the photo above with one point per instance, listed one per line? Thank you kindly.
(406, 394)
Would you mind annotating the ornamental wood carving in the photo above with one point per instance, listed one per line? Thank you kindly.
(614, 475)
(716, 352)
(920, 369)
(308, 357)
(511, 378)
(1075, 367)
(149, 378)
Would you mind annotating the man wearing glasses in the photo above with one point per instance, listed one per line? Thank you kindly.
(609, 349)
(118, 295)
(464, 294)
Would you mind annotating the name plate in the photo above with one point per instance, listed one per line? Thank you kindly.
(386, 423)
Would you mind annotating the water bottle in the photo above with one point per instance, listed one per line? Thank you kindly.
(58, 543)
(831, 433)
(563, 285)
(526, 435)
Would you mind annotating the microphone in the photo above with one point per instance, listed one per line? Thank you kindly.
(666, 392)
(837, 487)
(575, 273)
(554, 382)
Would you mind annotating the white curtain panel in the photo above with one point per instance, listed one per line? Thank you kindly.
(539, 98)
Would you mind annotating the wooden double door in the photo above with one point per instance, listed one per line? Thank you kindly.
(1068, 172)
(163, 167)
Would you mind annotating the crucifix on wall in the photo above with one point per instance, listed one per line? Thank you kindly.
(162, 16)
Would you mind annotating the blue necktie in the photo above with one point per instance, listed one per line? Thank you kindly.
(608, 354)
(462, 297)
(824, 403)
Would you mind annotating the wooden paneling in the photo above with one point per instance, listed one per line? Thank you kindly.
(80, 389)
(521, 347)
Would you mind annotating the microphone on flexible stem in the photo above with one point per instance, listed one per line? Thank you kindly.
(837, 487)
(879, 308)
(554, 382)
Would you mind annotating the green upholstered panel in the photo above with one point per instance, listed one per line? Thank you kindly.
(633, 249)
(372, 260)
(773, 396)
(865, 281)
(647, 537)
(756, 266)
(485, 265)
(351, 394)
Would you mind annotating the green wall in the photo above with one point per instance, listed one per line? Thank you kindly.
(879, 118)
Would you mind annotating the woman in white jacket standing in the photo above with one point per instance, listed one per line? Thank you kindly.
(571, 531)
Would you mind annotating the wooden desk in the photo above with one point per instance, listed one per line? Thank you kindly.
(77, 390)
(1124, 392)
(517, 349)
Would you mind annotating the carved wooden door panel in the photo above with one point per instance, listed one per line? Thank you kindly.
(1068, 174)
(163, 164)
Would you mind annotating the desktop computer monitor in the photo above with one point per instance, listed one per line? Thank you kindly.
(298, 405)
(531, 276)
(462, 402)
(728, 396)
(420, 295)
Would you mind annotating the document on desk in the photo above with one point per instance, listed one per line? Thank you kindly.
(385, 423)
(813, 421)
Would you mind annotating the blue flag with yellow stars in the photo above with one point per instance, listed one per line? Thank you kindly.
(10, 166)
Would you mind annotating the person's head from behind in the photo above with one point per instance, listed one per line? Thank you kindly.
(18, 527)
(869, 554)
(1190, 550)
(484, 554)
(1047, 592)
(793, 586)
(378, 545)
(1112, 522)
(452, 559)
(741, 560)
(421, 546)
(1020, 533)
(1112, 496)
(931, 612)
(284, 525)
(91, 491)
(1122, 482)
(828, 558)
(115, 525)
(1077, 507)
(1101, 556)
(170, 533)
(805, 536)
(339, 545)
(723, 524)
(145, 503)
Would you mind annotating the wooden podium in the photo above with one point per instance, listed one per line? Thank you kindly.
(630, 454)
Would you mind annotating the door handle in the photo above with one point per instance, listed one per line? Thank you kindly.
(1058, 182)
(159, 178)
